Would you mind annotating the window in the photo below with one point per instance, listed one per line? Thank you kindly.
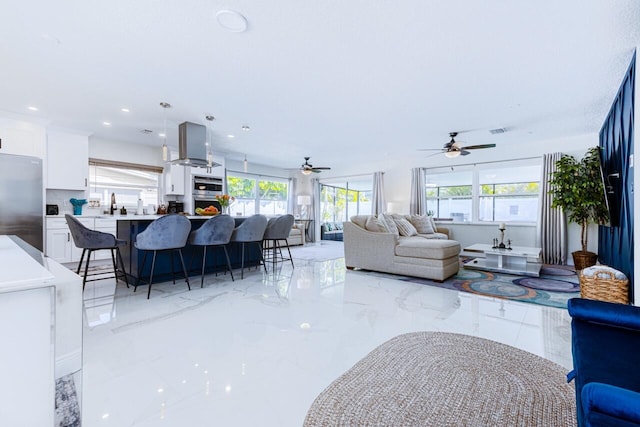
(128, 181)
(509, 194)
(341, 201)
(450, 195)
(257, 194)
(486, 194)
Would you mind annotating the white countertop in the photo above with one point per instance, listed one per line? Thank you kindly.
(18, 270)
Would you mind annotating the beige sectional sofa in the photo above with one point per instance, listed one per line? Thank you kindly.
(372, 243)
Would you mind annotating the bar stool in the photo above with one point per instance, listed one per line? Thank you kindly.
(167, 233)
(251, 230)
(278, 229)
(91, 240)
(215, 232)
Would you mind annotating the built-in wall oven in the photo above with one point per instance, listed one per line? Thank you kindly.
(205, 190)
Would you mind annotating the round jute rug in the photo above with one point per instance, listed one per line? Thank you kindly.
(442, 379)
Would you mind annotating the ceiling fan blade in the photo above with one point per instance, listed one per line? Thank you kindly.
(464, 152)
(475, 147)
(430, 149)
(321, 168)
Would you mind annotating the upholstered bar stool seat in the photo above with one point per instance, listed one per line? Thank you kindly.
(250, 231)
(215, 232)
(91, 240)
(167, 233)
(278, 229)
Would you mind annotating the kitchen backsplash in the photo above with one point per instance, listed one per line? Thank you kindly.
(61, 198)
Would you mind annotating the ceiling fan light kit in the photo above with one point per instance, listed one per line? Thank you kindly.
(452, 149)
(307, 168)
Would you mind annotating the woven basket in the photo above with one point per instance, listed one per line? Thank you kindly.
(599, 288)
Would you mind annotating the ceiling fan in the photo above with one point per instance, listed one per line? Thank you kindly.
(452, 149)
(307, 168)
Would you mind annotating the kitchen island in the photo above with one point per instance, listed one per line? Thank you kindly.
(129, 226)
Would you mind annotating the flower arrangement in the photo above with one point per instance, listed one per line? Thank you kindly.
(225, 200)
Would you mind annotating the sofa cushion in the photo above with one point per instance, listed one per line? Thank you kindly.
(389, 224)
(337, 226)
(405, 228)
(360, 220)
(440, 236)
(418, 247)
(422, 223)
(373, 224)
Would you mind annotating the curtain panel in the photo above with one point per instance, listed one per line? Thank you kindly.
(418, 200)
(552, 222)
(377, 202)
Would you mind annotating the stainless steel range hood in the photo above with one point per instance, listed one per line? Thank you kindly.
(192, 146)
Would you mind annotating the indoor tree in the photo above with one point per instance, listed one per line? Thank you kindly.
(576, 186)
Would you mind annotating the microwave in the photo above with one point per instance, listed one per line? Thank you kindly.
(206, 186)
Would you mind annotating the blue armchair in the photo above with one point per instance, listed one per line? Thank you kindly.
(605, 340)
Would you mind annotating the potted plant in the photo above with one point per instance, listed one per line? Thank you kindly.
(576, 186)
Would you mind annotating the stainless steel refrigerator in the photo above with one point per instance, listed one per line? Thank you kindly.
(21, 206)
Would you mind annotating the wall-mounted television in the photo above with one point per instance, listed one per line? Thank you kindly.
(610, 181)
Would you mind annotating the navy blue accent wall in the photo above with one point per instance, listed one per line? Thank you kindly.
(615, 243)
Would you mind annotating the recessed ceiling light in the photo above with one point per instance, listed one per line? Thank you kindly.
(32, 108)
(232, 21)
(231, 136)
(124, 110)
(162, 134)
(106, 123)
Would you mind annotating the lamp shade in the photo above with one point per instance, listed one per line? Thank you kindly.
(304, 200)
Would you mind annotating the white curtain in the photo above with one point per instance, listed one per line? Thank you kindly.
(418, 198)
(314, 213)
(293, 192)
(552, 222)
(377, 202)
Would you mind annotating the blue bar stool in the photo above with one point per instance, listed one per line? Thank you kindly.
(167, 233)
(215, 232)
(250, 231)
(91, 240)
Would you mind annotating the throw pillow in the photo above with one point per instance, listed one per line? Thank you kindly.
(327, 226)
(338, 225)
(433, 224)
(422, 224)
(391, 224)
(373, 224)
(405, 228)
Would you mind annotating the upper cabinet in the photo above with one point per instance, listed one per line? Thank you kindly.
(174, 178)
(67, 161)
(22, 138)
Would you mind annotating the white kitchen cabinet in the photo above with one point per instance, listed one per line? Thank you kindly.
(174, 178)
(22, 138)
(67, 161)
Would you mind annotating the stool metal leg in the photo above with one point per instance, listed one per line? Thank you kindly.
(80, 263)
(124, 273)
(204, 258)
(226, 254)
(186, 276)
(153, 265)
(86, 268)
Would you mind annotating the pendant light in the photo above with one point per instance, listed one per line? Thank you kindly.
(165, 149)
(245, 164)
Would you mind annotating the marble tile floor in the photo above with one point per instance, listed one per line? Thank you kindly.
(256, 352)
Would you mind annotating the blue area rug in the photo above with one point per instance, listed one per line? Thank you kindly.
(555, 286)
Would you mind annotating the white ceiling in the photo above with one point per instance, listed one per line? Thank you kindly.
(335, 80)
